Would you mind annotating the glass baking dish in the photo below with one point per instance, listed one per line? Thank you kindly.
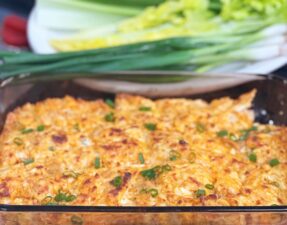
(269, 105)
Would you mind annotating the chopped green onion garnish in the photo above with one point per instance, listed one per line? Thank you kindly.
(76, 127)
(232, 137)
(141, 158)
(150, 126)
(252, 157)
(154, 172)
(60, 197)
(153, 192)
(110, 117)
(200, 127)
(48, 200)
(18, 141)
(222, 133)
(149, 174)
(110, 103)
(72, 174)
(51, 148)
(144, 109)
(166, 168)
(191, 157)
(27, 131)
(117, 181)
(244, 136)
(144, 191)
(254, 128)
(76, 220)
(28, 161)
(174, 155)
(245, 133)
(274, 162)
(172, 158)
(200, 192)
(70, 198)
(63, 197)
(209, 186)
(276, 184)
(52, 203)
(41, 128)
(97, 162)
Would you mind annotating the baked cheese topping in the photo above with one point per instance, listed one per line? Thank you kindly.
(138, 152)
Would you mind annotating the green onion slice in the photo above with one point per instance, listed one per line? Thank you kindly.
(51, 148)
(245, 133)
(254, 128)
(252, 157)
(64, 197)
(153, 173)
(174, 155)
(233, 137)
(191, 157)
(153, 192)
(144, 108)
(166, 168)
(150, 126)
(18, 141)
(117, 181)
(200, 192)
(200, 127)
(28, 161)
(40, 128)
(48, 200)
(274, 162)
(76, 127)
(60, 197)
(97, 162)
(70, 198)
(110, 103)
(222, 133)
(110, 117)
(141, 158)
(149, 174)
(209, 186)
(76, 220)
(27, 130)
(72, 174)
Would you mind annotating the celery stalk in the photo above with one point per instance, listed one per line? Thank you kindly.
(77, 14)
(133, 3)
(121, 10)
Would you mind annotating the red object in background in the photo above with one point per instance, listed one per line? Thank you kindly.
(14, 31)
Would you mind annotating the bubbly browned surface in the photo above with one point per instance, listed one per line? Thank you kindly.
(185, 148)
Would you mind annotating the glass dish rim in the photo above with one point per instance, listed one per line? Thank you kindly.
(71, 76)
(150, 209)
(142, 209)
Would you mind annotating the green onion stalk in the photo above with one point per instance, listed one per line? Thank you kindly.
(201, 53)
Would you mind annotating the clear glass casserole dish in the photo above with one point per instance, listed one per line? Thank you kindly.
(269, 105)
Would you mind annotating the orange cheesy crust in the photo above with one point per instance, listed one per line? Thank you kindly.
(140, 152)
